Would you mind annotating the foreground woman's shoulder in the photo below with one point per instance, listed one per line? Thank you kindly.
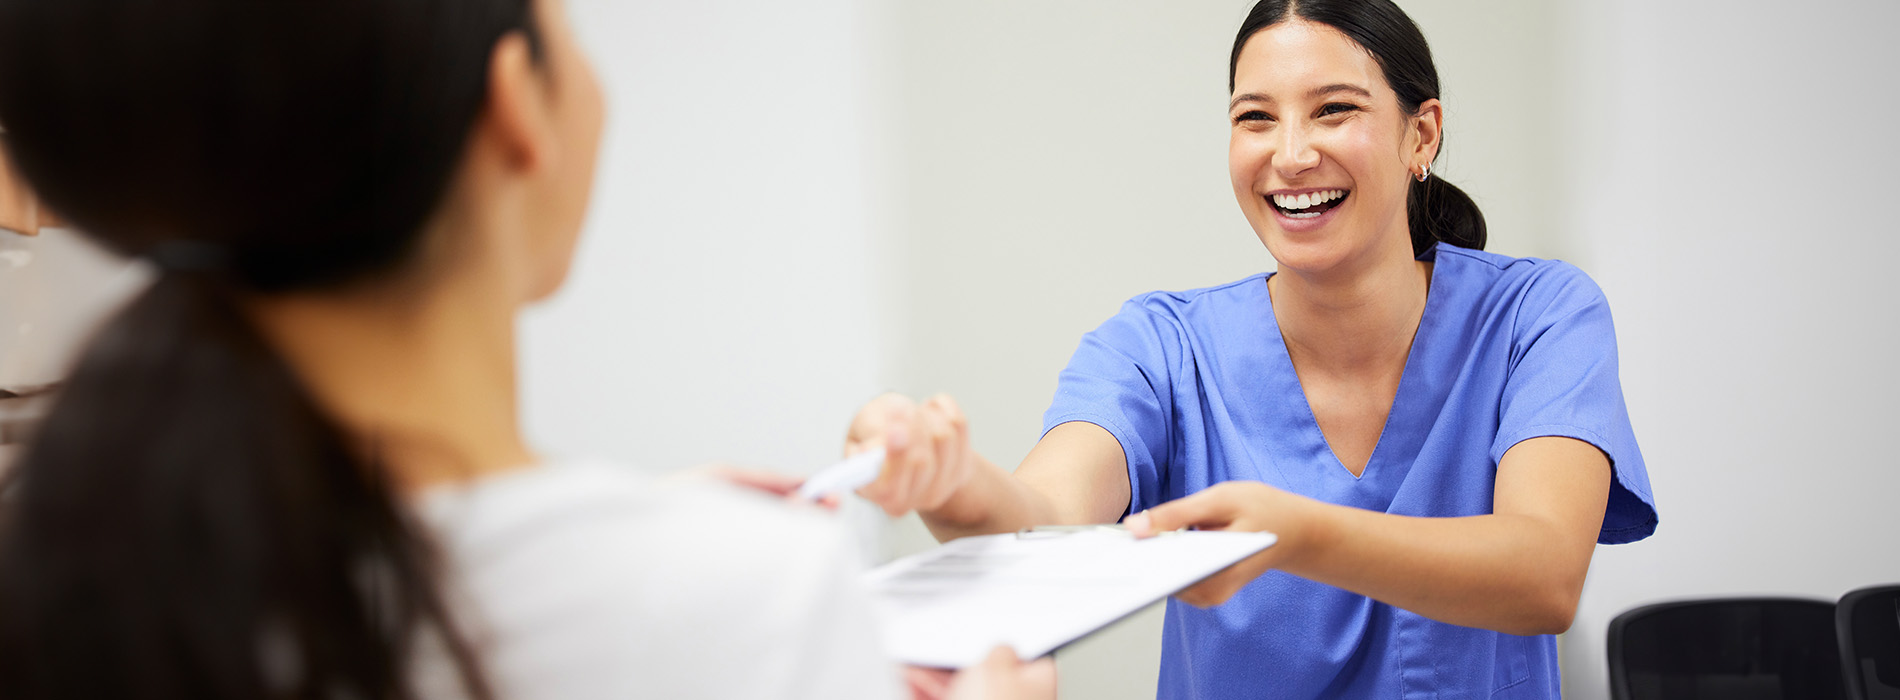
(607, 517)
(592, 577)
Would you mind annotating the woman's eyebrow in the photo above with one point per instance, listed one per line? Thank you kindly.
(1312, 94)
(1340, 87)
(1250, 97)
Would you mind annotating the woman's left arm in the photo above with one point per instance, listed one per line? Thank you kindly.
(1519, 570)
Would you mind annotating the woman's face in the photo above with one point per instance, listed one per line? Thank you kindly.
(1321, 155)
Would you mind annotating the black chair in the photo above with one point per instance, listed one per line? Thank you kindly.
(1868, 622)
(1728, 649)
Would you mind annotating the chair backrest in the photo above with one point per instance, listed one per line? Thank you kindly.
(1726, 649)
(1868, 624)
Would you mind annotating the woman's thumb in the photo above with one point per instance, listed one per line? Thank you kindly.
(1193, 511)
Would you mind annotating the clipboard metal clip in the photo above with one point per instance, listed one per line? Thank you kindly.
(1050, 531)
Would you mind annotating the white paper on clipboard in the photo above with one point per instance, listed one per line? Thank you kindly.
(948, 607)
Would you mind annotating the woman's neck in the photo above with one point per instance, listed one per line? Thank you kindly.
(1354, 321)
(424, 375)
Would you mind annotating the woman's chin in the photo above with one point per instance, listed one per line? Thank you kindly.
(1303, 253)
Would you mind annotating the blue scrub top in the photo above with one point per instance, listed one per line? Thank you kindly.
(1198, 388)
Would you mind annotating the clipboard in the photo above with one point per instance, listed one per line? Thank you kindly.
(1036, 590)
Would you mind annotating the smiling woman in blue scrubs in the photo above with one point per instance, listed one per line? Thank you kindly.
(1436, 433)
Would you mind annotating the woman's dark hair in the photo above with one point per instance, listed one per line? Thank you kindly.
(188, 522)
(1437, 210)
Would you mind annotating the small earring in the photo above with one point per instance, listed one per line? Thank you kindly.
(1424, 171)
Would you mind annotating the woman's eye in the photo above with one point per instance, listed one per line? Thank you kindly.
(1336, 108)
(1253, 116)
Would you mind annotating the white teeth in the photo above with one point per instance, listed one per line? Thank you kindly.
(1304, 201)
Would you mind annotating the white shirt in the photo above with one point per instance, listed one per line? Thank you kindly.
(586, 580)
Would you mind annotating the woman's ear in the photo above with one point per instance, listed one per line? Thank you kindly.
(516, 116)
(1427, 129)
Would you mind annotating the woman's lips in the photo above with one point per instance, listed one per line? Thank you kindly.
(1313, 217)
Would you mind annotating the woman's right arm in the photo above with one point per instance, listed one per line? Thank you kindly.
(1075, 475)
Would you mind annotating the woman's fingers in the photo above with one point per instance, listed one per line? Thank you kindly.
(783, 486)
(1234, 505)
(909, 460)
(829, 501)
(1038, 679)
(769, 482)
(960, 460)
(894, 438)
(916, 461)
(945, 453)
(928, 683)
(868, 428)
(1002, 676)
(928, 453)
(875, 428)
(1208, 510)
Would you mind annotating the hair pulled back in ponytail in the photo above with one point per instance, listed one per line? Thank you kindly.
(188, 522)
(186, 502)
(1435, 209)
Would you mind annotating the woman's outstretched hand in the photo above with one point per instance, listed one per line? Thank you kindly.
(781, 486)
(927, 446)
(1242, 506)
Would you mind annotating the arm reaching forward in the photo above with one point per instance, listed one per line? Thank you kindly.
(1519, 570)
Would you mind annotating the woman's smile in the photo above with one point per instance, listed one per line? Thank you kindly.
(1306, 209)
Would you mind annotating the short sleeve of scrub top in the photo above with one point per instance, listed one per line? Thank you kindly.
(1198, 388)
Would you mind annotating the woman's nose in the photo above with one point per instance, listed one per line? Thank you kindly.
(1296, 154)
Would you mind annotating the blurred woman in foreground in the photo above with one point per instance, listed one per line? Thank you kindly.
(244, 488)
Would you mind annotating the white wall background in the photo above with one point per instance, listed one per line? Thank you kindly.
(801, 204)
(1731, 169)
(723, 305)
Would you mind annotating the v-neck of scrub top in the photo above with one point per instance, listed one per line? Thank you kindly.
(1400, 435)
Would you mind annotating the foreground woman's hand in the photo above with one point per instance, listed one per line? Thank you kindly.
(781, 486)
(1241, 506)
(927, 446)
(1001, 676)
